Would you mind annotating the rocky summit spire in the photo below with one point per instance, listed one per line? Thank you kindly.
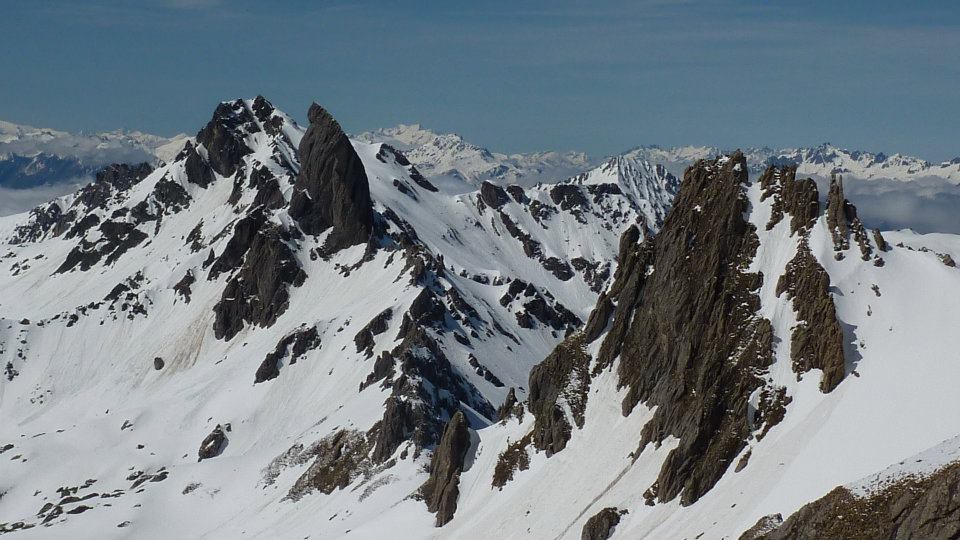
(223, 136)
(332, 189)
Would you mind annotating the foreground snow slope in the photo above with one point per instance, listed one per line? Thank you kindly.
(895, 401)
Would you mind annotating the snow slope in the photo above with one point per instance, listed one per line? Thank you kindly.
(118, 375)
(113, 375)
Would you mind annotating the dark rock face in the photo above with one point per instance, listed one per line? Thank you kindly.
(597, 321)
(518, 194)
(442, 488)
(365, 337)
(112, 179)
(515, 458)
(117, 238)
(183, 286)
(837, 216)
(762, 526)
(594, 273)
(258, 293)
(798, 198)
(817, 342)
(52, 220)
(493, 195)
(213, 444)
(44, 219)
(301, 341)
(338, 459)
(223, 138)
(685, 328)
(264, 110)
(158, 363)
(568, 197)
(197, 170)
(601, 525)
(394, 428)
(532, 306)
(332, 188)
(563, 377)
(244, 233)
(881, 242)
(911, 508)
(268, 192)
(425, 388)
(510, 406)
(842, 220)
(171, 195)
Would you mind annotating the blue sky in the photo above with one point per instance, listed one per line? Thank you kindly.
(597, 76)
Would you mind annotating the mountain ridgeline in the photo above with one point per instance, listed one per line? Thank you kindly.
(351, 350)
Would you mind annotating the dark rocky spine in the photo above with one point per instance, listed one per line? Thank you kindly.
(442, 488)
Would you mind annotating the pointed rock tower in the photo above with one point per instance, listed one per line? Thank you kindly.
(332, 189)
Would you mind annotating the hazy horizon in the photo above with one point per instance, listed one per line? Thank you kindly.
(599, 77)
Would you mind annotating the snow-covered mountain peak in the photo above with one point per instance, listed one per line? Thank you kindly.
(402, 136)
(283, 332)
(442, 156)
(301, 297)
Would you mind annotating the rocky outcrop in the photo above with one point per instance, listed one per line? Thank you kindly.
(183, 287)
(110, 180)
(908, 508)
(197, 170)
(395, 427)
(797, 198)
(292, 346)
(244, 233)
(531, 307)
(600, 526)
(842, 220)
(364, 340)
(762, 526)
(686, 331)
(510, 406)
(337, 461)
(880, 241)
(258, 293)
(332, 189)
(817, 339)
(597, 321)
(493, 195)
(424, 385)
(837, 216)
(214, 443)
(557, 384)
(441, 490)
(115, 239)
(223, 138)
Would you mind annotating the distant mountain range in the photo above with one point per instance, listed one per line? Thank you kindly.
(449, 155)
(37, 164)
(31, 157)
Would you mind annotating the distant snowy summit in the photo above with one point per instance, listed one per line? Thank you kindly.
(31, 157)
(822, 160)
(448, 154)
